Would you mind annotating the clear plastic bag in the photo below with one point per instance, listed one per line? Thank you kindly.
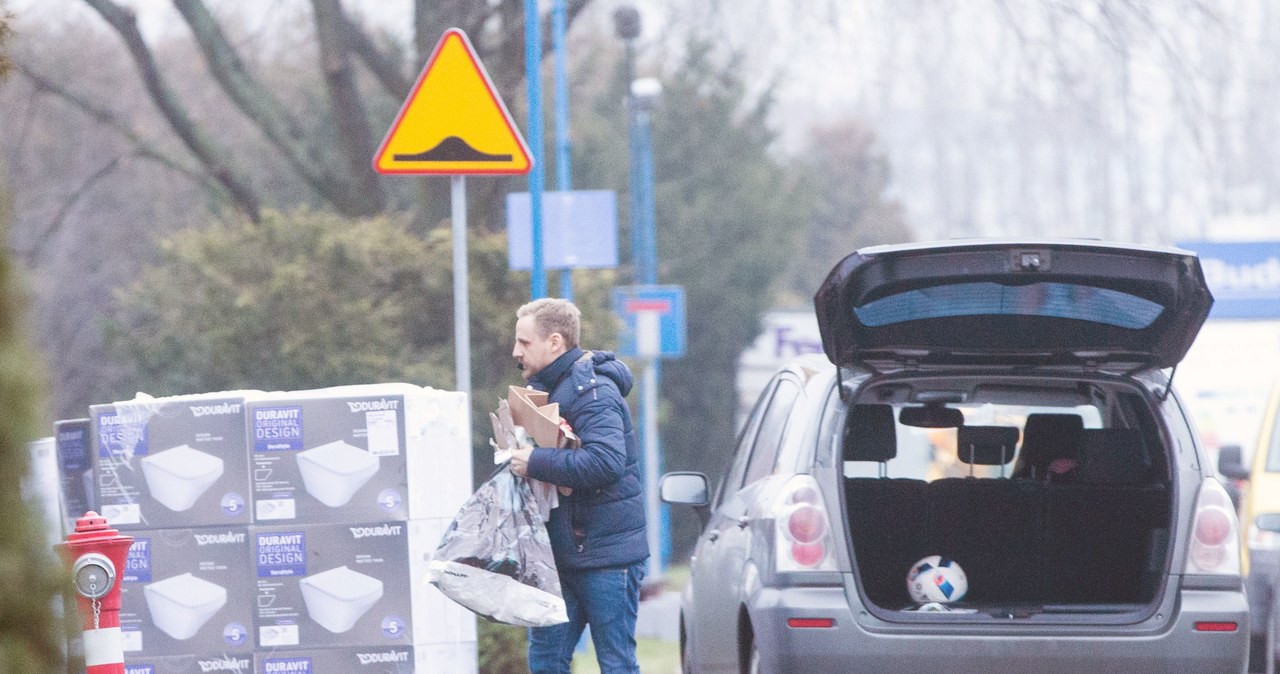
(496, 560)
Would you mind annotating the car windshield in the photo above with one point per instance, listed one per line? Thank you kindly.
(1054, 300)
(932, 453)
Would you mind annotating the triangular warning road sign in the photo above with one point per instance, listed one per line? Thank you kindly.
(453, 122)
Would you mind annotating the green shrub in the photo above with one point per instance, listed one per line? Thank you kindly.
(504, 649)
(29, 572)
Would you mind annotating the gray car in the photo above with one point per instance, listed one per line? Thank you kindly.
(1006, 407)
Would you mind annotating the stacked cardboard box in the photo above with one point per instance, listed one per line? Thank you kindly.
(289, 530)
(353, 487)
(78, 493)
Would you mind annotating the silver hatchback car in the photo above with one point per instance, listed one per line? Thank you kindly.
(1008, 407)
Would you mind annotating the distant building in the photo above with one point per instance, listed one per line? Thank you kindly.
(784, 334)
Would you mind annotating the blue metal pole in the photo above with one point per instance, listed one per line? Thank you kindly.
(637, 197)
(649, 276)
(562, 123)
(532, 58)
(648, 236)
(664, 518)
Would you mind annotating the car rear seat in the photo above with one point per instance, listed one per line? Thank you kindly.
(991, 526)
(1104, 522)
(887, 516)
(1088, 536)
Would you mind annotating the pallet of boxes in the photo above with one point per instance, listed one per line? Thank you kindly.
(286, 531)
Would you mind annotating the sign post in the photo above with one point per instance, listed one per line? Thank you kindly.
(454, 123)
(653, 318)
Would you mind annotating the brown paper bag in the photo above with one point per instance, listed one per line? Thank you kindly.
(529, 409)
(541, 421)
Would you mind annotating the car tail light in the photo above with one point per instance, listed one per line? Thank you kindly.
(1217, 626)
(811, 622)
(802, 535)
(1215, 543)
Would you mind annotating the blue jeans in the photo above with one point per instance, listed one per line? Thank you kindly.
(606, 599)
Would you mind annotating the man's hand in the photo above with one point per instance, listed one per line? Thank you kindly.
(520, 460)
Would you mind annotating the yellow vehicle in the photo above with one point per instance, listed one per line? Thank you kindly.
(1261, 506)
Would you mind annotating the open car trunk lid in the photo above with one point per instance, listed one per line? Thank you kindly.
(1046, 302)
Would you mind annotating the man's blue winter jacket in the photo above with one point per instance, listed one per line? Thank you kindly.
(601, 524)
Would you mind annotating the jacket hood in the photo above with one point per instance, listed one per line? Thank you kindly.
(593, 364)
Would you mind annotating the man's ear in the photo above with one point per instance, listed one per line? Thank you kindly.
(557, 341)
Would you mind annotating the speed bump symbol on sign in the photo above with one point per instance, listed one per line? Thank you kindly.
(453, 122)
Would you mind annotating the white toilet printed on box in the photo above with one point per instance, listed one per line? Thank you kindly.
(337, 598)
(182, 604)
(177, 477)
(334, 471)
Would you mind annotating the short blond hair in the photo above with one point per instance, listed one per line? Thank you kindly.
(551, 315)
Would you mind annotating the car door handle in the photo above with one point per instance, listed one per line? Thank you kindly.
(713, 536)
(743, 522)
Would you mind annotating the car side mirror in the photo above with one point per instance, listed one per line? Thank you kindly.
(687, 488)
(684, 488)
(1230, 463)
(1268, 522)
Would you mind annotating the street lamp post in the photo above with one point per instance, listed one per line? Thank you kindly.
(642, 96)
(626, 25)
(645, 93)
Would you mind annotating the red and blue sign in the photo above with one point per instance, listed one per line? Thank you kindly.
(653, 318)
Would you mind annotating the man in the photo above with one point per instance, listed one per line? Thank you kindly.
(598, 531)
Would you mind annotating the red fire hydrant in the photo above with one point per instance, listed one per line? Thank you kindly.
(97, 554)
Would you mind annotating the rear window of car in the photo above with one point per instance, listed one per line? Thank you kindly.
(932, 453)
(1054, 300)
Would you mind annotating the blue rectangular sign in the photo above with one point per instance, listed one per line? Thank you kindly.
(660, 309)
(579, 230)
(1244, 277)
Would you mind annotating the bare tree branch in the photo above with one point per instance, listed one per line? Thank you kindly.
(142, 148)
(433, 17)
(125, 23)
(383, 67)
(512, 44)
(354, 135)
(33, 252)
(260, 105)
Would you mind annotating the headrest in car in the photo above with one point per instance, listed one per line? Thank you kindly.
(1051, 429)
(869, 433)
(1112, 455)
(986, 445)
(1046, 437)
